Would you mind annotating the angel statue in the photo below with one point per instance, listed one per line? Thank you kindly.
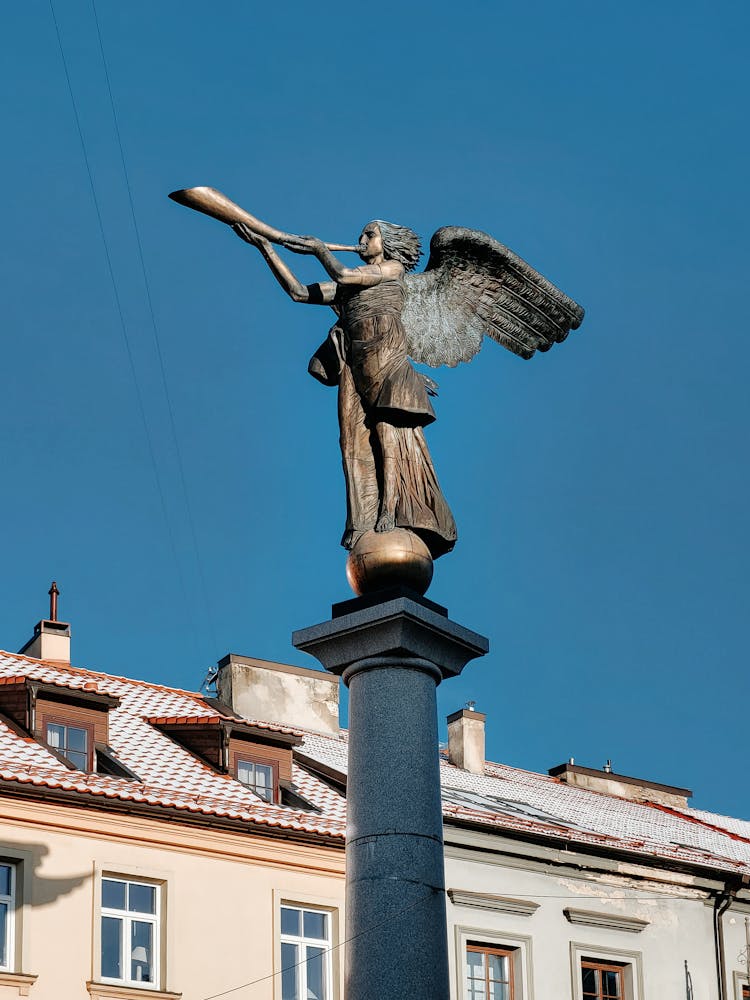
(387, 317)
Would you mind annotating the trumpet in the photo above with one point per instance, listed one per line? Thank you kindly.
(212, 202)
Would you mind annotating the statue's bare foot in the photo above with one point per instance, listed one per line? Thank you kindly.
(386, 522)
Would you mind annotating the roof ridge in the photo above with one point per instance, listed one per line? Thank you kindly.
(702, 822)
(56, 665)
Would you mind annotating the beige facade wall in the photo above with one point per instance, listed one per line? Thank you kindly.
(222, 892)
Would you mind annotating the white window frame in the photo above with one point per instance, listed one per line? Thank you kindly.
(127, 917)
(250, 762)
(65, 750)
(12, 901)
(631, 962)
(300, 941)
(519, 944)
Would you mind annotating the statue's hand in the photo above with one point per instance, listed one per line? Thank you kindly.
(304, 244)
(249, 235)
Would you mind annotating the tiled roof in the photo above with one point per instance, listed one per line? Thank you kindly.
(511, 801)
(504, 799)
(170, 776)
(212, 717)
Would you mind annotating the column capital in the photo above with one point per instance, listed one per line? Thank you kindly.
(403, 627)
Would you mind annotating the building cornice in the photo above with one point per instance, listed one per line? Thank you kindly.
(156, 813)
(569, 852)
(488, 901)
(612, 921)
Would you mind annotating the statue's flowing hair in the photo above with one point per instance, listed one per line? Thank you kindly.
(400, 243)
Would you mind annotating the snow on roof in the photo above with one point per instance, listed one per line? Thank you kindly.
(503, 800)
(170, 776)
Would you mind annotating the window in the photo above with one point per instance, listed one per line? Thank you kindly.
(71, 741)
(258, 777)
(601, 981)
(491, 964)
(489, 973)
(7, 914)
(305, 954)
(130, 932)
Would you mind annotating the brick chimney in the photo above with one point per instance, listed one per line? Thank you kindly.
(466, 739)
(51, 638)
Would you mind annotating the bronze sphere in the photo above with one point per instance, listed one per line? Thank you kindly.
(389, 559)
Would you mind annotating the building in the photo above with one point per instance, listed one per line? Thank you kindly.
(174, 844)
(151, 840)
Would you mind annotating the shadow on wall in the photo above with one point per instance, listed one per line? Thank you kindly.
(44, 890)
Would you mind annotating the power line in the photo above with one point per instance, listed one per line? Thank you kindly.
(394, 916)
(123, 327)
(328, 951)
(155, 330)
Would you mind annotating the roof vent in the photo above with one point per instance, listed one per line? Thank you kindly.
(624, 787)
(51, 638)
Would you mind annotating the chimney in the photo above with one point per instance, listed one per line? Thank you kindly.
(51, 638)
(608, 782)
(466, 739)
(278, 692)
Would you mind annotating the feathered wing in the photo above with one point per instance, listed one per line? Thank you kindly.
(473, 286)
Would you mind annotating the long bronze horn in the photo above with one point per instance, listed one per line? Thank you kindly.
(212, 202)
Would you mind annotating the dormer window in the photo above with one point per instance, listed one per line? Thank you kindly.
(72, 742)
(259, 755)
(259, 777)
(71, 721)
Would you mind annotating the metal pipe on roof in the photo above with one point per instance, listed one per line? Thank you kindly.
(721, 904)
(723, 901)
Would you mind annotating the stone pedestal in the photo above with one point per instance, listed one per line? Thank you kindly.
(392, 651)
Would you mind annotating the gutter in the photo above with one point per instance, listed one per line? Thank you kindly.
(723, 901)
(169, 814)
(588, 849)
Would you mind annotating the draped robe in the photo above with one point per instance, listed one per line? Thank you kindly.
(365, 354)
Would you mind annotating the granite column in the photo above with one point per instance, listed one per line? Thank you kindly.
(392, 653)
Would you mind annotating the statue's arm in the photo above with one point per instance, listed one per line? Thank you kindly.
(365, 276)
(319, 294)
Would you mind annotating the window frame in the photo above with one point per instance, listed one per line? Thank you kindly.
(87, 727)
(300, 941)
(477, 947)
(156, 919)
(264, 762)
(599, 966)
(630, 963)
(10, 928)
(520, 945)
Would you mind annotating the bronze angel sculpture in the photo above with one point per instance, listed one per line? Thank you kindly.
(387, 317)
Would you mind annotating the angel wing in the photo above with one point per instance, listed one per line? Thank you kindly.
(473, 286)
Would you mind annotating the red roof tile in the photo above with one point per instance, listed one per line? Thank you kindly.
(503, 800)
(171, 777)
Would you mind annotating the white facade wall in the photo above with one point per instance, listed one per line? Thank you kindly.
(678, 910)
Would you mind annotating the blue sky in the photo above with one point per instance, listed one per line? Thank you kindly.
(600, 490)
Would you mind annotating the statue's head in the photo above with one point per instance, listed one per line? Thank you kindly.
(398, 242)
